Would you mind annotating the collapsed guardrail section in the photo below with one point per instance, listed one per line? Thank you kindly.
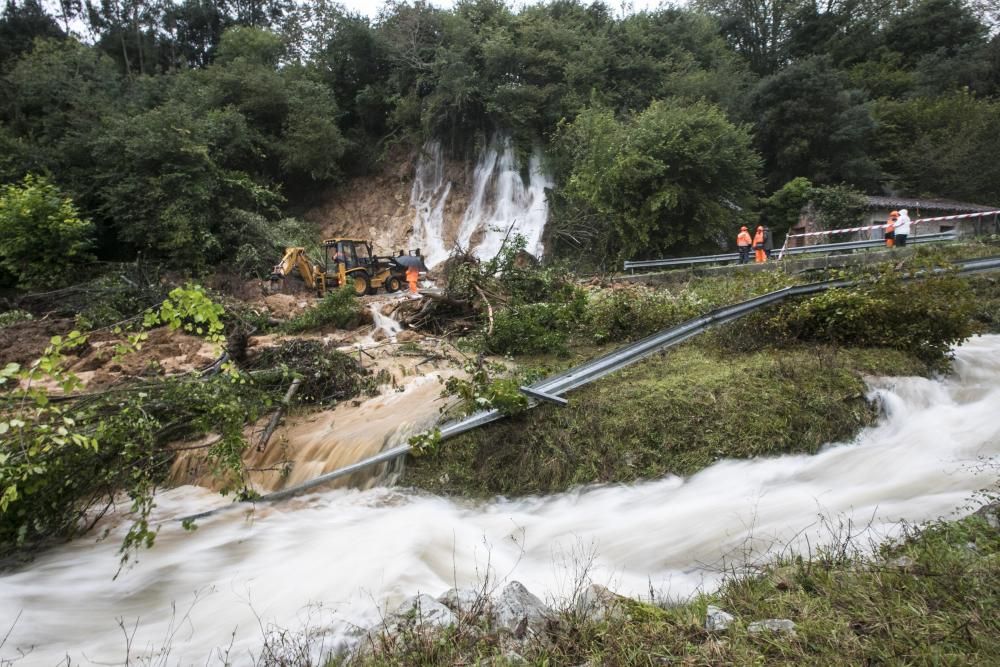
(556, 385)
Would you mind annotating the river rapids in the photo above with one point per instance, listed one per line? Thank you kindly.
(332, 562)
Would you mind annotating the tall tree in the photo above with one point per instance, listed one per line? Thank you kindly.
(809, 123)
(757, 29)
(675, 176)
(20, 24)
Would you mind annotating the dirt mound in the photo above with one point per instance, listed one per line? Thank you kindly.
(24, 342)
(165, 352)
(286, 306)
(377, 206)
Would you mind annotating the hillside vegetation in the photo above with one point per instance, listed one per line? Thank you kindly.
(193, 133)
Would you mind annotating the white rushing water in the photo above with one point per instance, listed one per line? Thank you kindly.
(501, 203)
(355, 552)
(384, 323)
(428, 196)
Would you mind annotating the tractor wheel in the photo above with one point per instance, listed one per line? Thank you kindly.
(393, 284)
(361, 284)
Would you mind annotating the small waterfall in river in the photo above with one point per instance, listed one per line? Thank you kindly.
(500, 203)
(355, 551)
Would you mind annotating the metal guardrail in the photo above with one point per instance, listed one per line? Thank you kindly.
(599, 367)
(800, 250)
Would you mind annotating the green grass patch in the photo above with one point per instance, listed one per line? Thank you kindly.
(339, 308)
(675, 413)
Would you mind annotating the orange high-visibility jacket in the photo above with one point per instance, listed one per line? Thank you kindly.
(758, 238)
(890, 225)
(744, 239)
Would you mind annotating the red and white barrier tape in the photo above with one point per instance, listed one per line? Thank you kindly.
(849, 230)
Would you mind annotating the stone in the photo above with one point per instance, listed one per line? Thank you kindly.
(463, 601)
(598, 603)
(518, 611)
(421, 610)
(717, 620)
(779, 625)
(407, 335)
(378, 335)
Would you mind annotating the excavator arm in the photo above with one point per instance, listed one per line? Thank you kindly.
(295, 258)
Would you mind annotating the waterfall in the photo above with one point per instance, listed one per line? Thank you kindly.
(428, 197)
(500, 201)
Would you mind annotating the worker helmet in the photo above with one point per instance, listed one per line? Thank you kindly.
(743, 228)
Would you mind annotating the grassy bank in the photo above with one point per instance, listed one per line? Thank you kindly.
(930, 600)
(672, 414)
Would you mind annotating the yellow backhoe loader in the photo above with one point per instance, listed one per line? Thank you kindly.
(348, 262)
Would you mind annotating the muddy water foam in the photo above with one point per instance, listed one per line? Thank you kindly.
(357, 551)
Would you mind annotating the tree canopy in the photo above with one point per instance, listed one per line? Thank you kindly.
(184, 130)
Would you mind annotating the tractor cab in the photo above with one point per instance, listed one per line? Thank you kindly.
(351, 262)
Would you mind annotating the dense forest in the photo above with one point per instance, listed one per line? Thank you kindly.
(190, 132)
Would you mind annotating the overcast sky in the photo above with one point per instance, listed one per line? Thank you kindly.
(371, 7)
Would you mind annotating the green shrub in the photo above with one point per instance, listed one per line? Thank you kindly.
(338, 308)
(44, 238)
(488, 387)
(534, 327)
(624, 314)
(924, 317)
(61, 462)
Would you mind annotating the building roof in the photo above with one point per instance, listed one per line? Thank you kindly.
(875, 201)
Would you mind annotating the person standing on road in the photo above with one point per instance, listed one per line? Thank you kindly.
(758, 245)
(890, 229)
(902, 228)
(743, 244)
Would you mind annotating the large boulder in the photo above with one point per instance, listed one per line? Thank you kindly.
(519, 612)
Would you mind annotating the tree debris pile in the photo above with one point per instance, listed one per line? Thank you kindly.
(483, 295)
(327, 376)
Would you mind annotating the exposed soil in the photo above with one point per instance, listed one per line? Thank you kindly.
(24, 342)
(165, 352)
(311, 442)
(377, 206)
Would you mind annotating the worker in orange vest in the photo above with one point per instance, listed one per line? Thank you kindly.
(412, 276)
(890, 229)
(743, 244)
(760, 255)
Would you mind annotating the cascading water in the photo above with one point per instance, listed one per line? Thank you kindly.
(500, 202)
(428, 197)
(356, 550)
(387, 325)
